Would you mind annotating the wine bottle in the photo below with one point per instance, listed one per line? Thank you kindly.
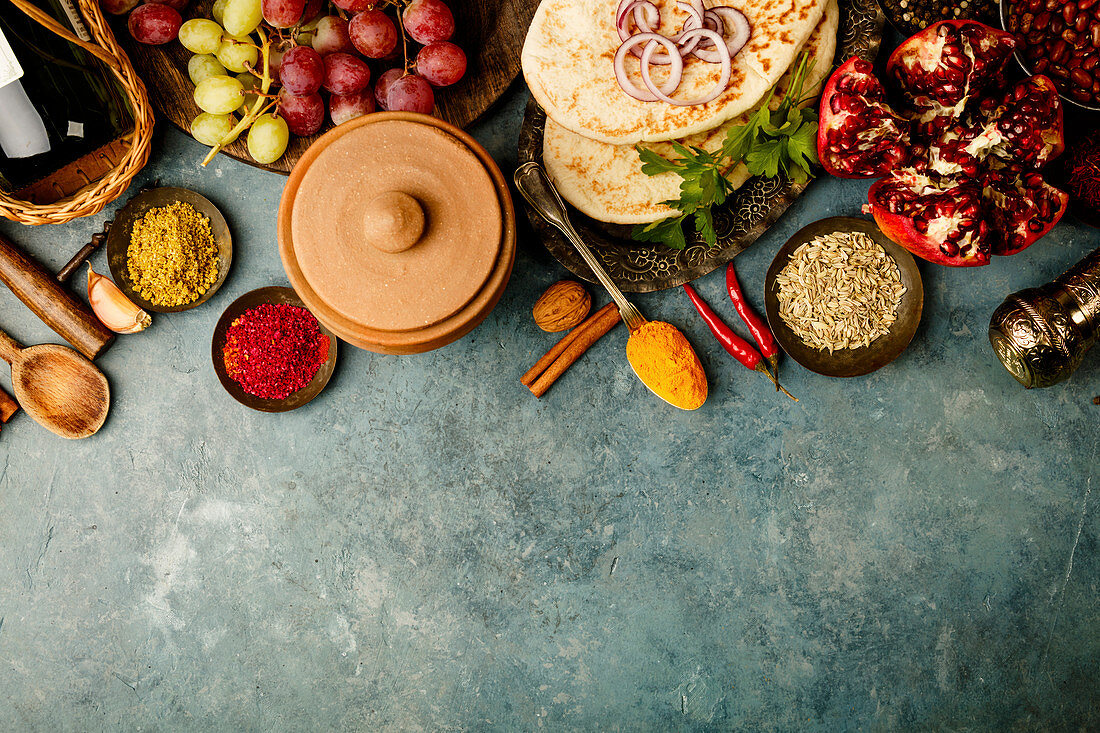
(60, 108)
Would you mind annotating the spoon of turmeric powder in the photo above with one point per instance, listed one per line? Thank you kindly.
(658, 353)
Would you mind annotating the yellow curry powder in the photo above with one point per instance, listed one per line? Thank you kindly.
(665, 361)
(172, 258)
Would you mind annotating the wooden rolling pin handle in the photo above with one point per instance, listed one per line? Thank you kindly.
(8, 406)
(54, 304)
(9, 347)
(82, 256)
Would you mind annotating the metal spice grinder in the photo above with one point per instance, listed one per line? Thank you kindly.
(1042, 334)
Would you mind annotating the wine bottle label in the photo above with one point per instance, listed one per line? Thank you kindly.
(75, 20)
(10, 70)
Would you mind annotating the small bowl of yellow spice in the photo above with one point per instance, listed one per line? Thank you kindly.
(169, 249)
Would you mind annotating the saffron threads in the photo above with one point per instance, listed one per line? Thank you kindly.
(1083, 173)
(273, 350)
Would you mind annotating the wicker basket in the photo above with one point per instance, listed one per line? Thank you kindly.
(134, 148)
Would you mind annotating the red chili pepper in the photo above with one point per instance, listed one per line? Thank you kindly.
(738, 347)
(757, 327)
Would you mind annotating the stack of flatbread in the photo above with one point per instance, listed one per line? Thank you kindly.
(592, 124)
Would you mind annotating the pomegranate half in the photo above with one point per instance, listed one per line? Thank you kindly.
(959, 157)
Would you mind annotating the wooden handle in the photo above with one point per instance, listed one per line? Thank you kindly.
(9, 347)
(56, 306)
(8, 406)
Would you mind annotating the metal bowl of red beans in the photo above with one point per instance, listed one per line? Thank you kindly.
(270, 353)
(1060, 39)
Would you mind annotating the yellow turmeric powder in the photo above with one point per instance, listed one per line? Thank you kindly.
(666, 363)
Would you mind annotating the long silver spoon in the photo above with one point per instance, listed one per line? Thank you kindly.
(536, 187)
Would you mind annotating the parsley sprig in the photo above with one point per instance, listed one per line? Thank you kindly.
(770, 143)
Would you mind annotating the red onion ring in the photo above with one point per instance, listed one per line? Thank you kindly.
(696, 19)
(702, 34)
(652, 40)
(645, 25)
(734, 20)
(686, 46)
(695, 11)
(713, 23)
(626, 7)
(723, 81)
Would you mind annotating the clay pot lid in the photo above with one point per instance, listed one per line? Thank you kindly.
(393, 228)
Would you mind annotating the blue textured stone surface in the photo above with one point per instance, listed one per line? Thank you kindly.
(425, 546)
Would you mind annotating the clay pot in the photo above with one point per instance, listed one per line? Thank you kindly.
(398, 232)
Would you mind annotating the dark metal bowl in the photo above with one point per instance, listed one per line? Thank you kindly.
(275, 295)
(1027, 70)
(983, 11)
(118, 241)
(881, 351)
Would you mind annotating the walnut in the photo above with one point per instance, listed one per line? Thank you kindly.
(562, 306)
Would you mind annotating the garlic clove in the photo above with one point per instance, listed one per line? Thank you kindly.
(112, 307)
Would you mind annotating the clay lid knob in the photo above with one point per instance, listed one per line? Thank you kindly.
(393, 222)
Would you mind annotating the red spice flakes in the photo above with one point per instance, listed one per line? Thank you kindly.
(273, 350)
(1083, 172)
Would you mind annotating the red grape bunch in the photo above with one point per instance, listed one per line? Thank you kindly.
(275, 62)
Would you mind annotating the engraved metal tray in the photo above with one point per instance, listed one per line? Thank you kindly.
(643, 267)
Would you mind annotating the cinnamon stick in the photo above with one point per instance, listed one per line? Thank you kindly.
(8, 406)
(597, 326)
(548, 358)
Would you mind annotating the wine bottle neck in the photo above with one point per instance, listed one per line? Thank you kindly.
(22, 131)
(76, 22)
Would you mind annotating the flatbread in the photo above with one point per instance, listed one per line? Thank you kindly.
(606, 182)
(568, 62)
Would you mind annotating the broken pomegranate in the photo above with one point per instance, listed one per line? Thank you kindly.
(941, 224)
(1025, 129)
(1020, 208)
(859, 135)
(961, 157)
(1029, 122)
(949, 62)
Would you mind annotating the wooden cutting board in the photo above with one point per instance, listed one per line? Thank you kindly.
(491, 32)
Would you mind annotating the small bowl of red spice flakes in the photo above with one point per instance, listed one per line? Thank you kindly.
(270, 353)
(1078, 171)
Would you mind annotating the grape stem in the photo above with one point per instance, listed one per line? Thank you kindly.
(398, 5)
(404, 39)
(258, 107)
(235, 42)
(274, 103)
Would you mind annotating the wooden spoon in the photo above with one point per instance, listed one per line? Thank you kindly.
(64, 392)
